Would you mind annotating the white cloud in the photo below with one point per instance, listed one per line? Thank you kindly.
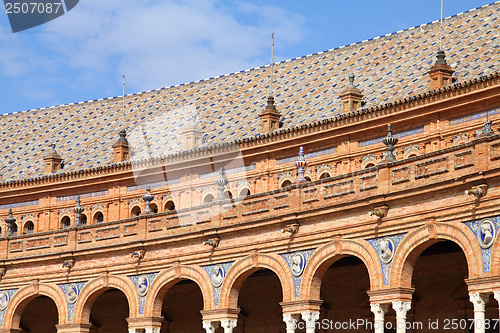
(159, 43)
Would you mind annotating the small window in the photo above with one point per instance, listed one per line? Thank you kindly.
(324, 175)
(244, 192)
(308, 179)
(170, 205)
(154, 208)
(369, 165)
(14, 229)
(208, 198)
(228, 195)
(99, 218)
(286, 183)
(29, 227)
(136, 211)
(65, 222)
(83, 219)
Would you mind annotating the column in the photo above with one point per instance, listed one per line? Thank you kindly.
(379, 311)
(310, 319)
(210, 326)
(496, 294)
(228, 325)
(291, 322)
(479, 301)
(401, 309)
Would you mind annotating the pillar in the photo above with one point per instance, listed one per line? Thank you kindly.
(310, 319)
(401, 309)
(479, 301)
(496, 294)
(291, 322)
(379, 311)
(210, 326)
(228, 325)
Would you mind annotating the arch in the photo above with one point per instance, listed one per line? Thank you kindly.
(416, 241)
(208, 195)
(96, 287)
(324, 174)
(167, 278)
(135, 210)
(29, 227)
(65, 221)
(83, 219)
(154, 207)
(410, 152)
(98, 217)
(26, 294)
(327, 254)
(368, 162)
(228, 194)
(458, 139)
(495, 257)
(243, 188)
(13, 229)
(244, 267)
(286, 179)
(169, 206)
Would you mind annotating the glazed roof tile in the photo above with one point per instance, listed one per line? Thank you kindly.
(306, 89)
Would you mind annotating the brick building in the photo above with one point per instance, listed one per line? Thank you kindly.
(196, 209)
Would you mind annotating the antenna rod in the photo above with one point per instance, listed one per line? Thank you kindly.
(123, 104)
(272, 64)
(441, 28)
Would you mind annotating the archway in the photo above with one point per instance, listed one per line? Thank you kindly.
(259, 302)
(136, 211)
(441, 293)
(39, 316)
(109, 312)
(181, 308)
(344, 293)
(98, 217)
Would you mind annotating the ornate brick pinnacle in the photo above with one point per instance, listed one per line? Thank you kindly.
(301, 164)
(390, 141)
(147, 199)
(221, 182)
(78, 211)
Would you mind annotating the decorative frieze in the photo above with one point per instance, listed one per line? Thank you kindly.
(464, 159)
(386, 247)
(217, 273)
(431, 167)
(338, 189)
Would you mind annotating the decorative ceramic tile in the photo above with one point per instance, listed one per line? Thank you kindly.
(485, 230)
(297, 262)
(386, 247)
(71, 290)
(5, 297)
(217, 273)
(142, 282)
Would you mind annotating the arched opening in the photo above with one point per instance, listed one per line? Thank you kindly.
(109, 312)
(286, 183)
(324, 175)
(29, 227)
(14, 229)
(83, 219)
(169, 205)
(369, 165)
(154, 208)
(438, 275)
(344, 293)
(244, 192)
(307, 178)
(259, 302)
(181, 308)
(39, 315)
(228, 195)
(65, 222)
(136, 211)
(98, 217)
(208, 198)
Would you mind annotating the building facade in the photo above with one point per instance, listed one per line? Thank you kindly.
(362, 196)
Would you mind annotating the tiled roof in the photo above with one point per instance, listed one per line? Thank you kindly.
(305, 89)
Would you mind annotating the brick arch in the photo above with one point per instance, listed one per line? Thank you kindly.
(243, 268)
(92, 289)
(25, 295)
(416, 241)
(167, 278)
(495, 257)
(327, 254)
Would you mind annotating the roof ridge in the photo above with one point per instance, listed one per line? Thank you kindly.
(263, 66)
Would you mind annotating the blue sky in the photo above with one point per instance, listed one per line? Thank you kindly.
(157, 43)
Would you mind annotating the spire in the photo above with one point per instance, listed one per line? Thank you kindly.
(53, 161)
(270, 117)
(121, 149)
(193, 134)
(440, 73)
(301, 165)
(351, 97)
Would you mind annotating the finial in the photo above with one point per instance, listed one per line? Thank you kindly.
(123, 136)
(270, 103)
(10, 220)
(351, 79)
(147, 199)
(78, 211)
(221, 182)
(390, 141)
(301, 164)
(441, 57)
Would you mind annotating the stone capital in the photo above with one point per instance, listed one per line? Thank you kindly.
(479, 301)
(496, 294)
(291, 320)
(379, 310)
(310, 317)
(210, 326)
(228, 325)
(401, 308)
